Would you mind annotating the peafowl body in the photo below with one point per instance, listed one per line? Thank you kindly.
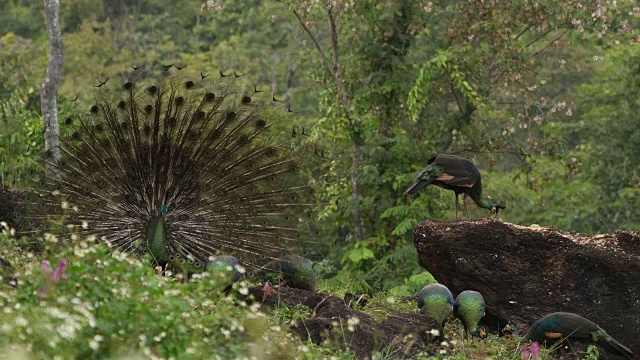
(436, 301)
(470, 308)
(182, 169)
(295, 270)
(225, 263)
(560, 325)
(457, 174)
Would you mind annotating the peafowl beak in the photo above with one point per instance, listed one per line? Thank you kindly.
(495, 209)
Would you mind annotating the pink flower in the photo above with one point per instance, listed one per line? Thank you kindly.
(59, 272)
(45, 267)
(535, 350)
(525, 352)
(54, 277)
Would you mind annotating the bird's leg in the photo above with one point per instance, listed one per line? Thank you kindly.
(464, 200)
(456, 206)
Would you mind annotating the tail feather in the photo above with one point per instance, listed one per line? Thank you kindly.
(425, 177)
(197, 152)
(416, 187)
(611, 345)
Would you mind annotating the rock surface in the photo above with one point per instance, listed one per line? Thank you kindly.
(525, 273)
(405, 334)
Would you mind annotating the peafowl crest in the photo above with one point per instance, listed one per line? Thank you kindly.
(182, 169)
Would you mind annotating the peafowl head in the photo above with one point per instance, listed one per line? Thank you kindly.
(481, 333)
(495, 208)
(510, 329)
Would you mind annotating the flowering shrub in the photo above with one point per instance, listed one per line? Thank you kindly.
(97, 304)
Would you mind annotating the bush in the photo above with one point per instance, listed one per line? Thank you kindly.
(84, 302)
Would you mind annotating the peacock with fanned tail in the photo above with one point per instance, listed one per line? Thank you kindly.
(182, 169)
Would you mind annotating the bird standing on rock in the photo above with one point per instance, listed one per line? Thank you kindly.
(457, 174)
(436, 301)
(558, 326)
(470, 308)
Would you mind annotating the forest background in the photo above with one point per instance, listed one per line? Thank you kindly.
(542, 95)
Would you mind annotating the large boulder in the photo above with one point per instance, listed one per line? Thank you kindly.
(527, 272)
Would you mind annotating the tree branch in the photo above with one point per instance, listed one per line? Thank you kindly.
(549, 44)
(313, 39)
(337, 75)
(453, 91)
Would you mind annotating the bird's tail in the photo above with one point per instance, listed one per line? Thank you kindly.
(200, 154)
(416, 187)
(611, 345)
(424, 178)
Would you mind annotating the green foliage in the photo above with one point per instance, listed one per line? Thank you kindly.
(592, 353)
(357, 254)
(23, 66)
(23, 17)
(80, 312)
(20, 139)
(441, 64)
(413, 285)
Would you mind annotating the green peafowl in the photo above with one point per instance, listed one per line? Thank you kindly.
(294, 270)
(225, 263)
(469, 307)
(457, 174)
(557, 326)
(227, 267)
(182, 169)
(436, 301)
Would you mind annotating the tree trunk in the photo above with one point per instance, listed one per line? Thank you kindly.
(291, 72)
(343, 108)
(50, 85)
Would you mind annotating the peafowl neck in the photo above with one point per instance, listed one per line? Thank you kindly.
(476, 195)
(156, 240)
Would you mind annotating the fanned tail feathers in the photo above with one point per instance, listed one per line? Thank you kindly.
(200, 155)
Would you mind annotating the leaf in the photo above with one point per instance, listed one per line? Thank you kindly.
(405, 226)
(396, 211)
(358, 254)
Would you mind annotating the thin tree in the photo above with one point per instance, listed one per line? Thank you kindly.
(344, 109)
(50, 85)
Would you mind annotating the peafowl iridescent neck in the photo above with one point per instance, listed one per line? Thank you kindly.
(476, 196)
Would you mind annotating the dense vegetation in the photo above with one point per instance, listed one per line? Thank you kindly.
(541, 94)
